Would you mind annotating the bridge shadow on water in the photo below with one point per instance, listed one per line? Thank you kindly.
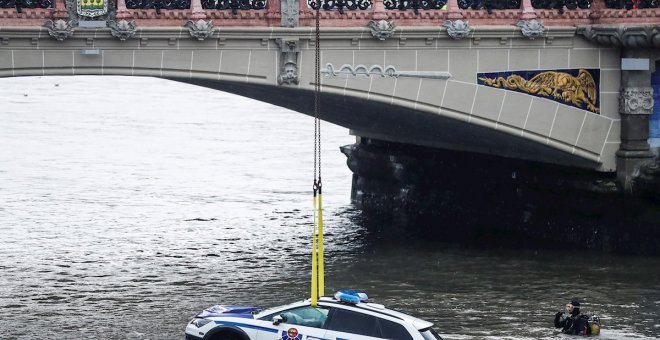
(484, 201)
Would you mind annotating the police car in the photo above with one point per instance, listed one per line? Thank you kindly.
(334, 318)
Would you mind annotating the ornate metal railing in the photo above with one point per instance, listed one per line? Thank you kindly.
(415, 5)
(20, 4)
(158, 4)
(561, 4)
(489, 5)
(632, 4)
(585, 12)
(234, 5)
(340, 4)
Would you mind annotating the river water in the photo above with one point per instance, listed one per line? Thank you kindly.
(129, 204)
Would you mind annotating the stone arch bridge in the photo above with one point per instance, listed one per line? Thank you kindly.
(527, 82)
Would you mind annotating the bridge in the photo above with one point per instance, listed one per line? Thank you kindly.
(563, 82)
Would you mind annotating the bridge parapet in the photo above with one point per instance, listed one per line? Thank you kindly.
(270, 13)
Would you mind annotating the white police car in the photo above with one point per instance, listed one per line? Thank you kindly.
(332, 319)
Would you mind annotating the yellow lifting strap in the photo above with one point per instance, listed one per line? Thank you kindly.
(314, 285)
(318, 275)
(320, 259)
(318, 281)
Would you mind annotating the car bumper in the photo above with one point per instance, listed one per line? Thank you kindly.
(192, 337)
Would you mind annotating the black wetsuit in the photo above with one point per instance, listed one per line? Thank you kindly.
(574, 324)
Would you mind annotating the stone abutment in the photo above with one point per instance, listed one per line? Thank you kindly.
(488, 200)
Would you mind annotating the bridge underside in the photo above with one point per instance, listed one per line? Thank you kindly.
(400, 124)
(437, 92)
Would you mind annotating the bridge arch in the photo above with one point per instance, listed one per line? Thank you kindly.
(412, 89)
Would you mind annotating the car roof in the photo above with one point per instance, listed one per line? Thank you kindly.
(371, 307)
(380, 309)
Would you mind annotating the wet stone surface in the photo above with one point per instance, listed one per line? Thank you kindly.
(493, 201)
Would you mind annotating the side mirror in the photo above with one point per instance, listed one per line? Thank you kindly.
(278, 319)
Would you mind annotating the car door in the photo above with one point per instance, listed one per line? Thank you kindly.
(345, 324)
(299, 323)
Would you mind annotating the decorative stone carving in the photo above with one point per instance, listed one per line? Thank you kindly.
(92, 9)
(59, 29)
(531, 29)
(290, 13)
(377, 70)
(382, 30)
(200, 29)
(457, 29)
(578, 90)
(289, 50)
(101, 16)
(123, 29)
(630, 36)
(636, 100)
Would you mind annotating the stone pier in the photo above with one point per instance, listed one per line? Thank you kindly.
(494, 201)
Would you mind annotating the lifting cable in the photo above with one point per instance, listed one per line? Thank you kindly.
(318, 283)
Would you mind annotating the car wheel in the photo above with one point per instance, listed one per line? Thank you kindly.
(227, 335)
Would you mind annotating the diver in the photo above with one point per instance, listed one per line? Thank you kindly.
(575, 323)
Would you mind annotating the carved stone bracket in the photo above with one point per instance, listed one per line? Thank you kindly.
(290, 10)
(629, 36)
(59, 29)
(289, 50)
(636, 100)
(382, 29)
(531, 29)
(200, 29)
(123, 29)
(457, 29)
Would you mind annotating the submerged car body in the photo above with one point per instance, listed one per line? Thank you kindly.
(331, 319)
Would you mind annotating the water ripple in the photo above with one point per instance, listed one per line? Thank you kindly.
(113, 214)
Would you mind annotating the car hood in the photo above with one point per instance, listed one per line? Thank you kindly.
(229, 311)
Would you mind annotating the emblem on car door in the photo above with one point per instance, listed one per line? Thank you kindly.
(291, 334)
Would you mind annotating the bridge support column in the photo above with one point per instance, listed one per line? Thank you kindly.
(379, 10)
(637, 173)
(290, 13)
(453, 11)
(197, 10)
(635, 107)
(122, 11)
(528, 12)
(469, 197)
(59, 10)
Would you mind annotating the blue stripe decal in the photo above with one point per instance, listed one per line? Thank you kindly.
(244, 325)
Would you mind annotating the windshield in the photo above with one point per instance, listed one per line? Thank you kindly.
(272, 310)
(430, 334)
